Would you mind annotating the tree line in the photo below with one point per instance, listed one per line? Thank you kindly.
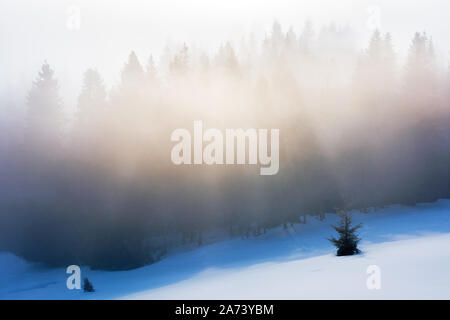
(358, 130)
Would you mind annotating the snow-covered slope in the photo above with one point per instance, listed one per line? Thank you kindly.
(410, 245)
(403, 275)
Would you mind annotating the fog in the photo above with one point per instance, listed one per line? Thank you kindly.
(89, 105)
(34, 31)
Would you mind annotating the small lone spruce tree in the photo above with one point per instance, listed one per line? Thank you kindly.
(87, 286)
(347, 243)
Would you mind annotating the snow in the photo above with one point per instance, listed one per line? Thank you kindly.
(403, 276)
(410, 245)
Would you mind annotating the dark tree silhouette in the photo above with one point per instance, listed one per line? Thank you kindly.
(87, 286)
(347, 243)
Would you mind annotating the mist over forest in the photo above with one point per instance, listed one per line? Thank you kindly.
(359, 128)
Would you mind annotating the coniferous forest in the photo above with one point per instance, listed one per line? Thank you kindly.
(360, 129)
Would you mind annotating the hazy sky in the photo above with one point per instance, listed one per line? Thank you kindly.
(32, 31)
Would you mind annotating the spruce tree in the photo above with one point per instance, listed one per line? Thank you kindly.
(347, 243)
(90, 125)
(92, 96)
(151, 72)
(133, 74)
(306, 38)
(420, 74)
(179, 66)
(375, 50)
(87, 286)
(44, 110)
